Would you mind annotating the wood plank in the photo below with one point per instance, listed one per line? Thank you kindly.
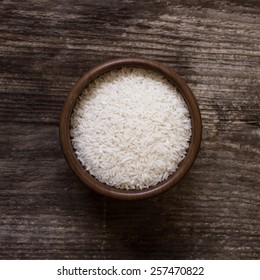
(46, 212)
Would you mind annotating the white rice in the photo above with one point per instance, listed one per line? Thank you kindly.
(130, 128)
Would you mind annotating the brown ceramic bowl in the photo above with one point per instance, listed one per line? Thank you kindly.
(70, 102)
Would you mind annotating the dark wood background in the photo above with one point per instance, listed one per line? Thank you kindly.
(46, 212)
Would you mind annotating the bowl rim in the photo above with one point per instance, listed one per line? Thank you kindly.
(71, 99)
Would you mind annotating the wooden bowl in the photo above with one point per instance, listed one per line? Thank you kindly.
(71, 100)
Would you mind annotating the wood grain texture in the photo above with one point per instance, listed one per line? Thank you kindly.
(46, 212)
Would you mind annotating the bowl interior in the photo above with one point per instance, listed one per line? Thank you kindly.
(71, 100)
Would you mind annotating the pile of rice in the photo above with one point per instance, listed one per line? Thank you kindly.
(130, 128)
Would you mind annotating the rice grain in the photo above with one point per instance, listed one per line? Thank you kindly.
(130, 128)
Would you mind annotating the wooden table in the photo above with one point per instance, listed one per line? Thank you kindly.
(46, 212)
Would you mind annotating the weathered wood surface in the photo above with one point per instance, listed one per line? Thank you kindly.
(46, 212)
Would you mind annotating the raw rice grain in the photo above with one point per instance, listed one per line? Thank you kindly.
(130, 128)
